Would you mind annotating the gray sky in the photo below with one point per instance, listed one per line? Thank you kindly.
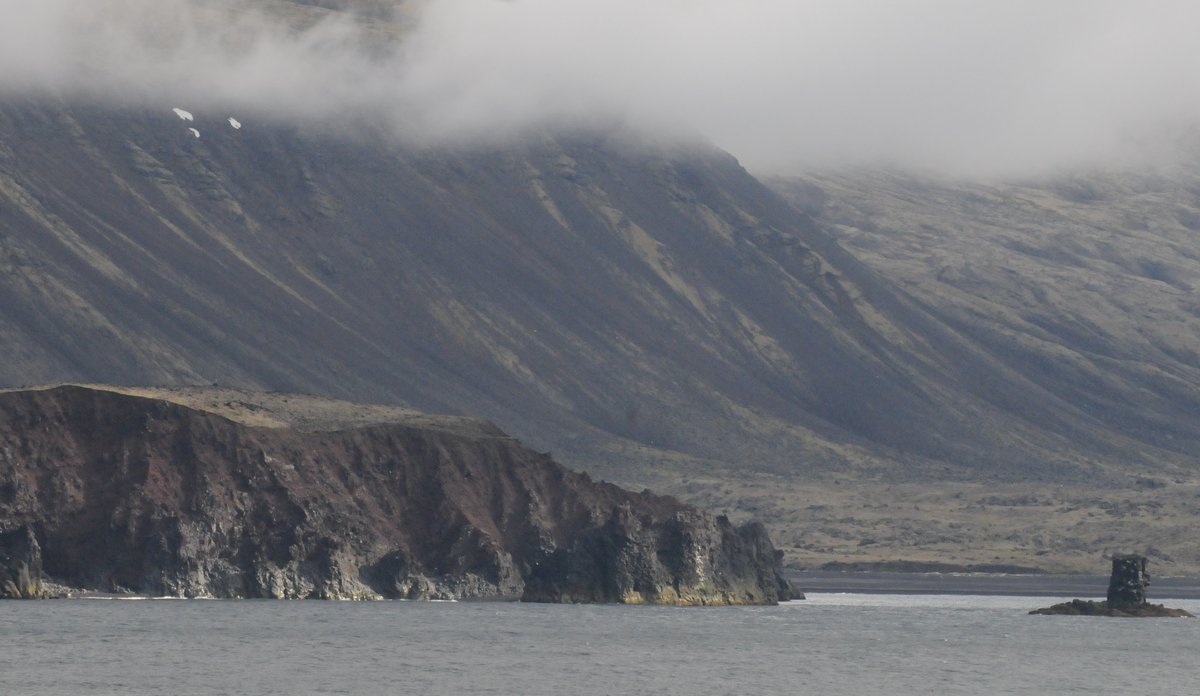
(967, 86)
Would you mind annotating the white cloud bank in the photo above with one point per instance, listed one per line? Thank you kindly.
(979, 86)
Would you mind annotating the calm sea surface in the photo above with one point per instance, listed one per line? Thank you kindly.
(831, 644)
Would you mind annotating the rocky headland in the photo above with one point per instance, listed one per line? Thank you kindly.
(1126, 595)
(114, 492)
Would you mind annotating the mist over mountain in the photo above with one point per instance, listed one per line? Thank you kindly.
(985, 88)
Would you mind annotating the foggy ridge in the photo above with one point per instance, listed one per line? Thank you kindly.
(980, 88)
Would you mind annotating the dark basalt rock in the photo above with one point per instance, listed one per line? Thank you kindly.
(1082, 607)
(118, 493)
(1126, 595)
(683, 560)
(19, 548)
(21, 565)
(1128, 582)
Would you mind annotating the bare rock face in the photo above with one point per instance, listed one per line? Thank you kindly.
(20, 565)
(1128, 582)
(126, 494)
(687, 559)
(19, 547)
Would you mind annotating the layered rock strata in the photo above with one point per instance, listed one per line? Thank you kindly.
(120, 493)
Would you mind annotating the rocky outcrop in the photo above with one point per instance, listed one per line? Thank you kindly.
(1126, 595)
(1083, 607)
(687, 559)
(1128, 582)
(19, 547)
(120, 493)
(21, 565)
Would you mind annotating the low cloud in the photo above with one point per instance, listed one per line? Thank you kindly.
(988, 87)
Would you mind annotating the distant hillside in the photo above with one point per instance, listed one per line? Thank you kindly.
(1089, 284)
(621, 302)
(1086, 284)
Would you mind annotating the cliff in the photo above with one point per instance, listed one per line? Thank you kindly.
(124, 493)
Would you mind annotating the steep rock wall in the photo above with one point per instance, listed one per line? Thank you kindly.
(122, 493)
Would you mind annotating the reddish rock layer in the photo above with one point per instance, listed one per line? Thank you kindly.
(123, 493)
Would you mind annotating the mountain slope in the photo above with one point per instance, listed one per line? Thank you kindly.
(586, 291)
(1086, 284)
(659, 296)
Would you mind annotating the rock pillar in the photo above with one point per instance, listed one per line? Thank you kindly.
(1127, 586)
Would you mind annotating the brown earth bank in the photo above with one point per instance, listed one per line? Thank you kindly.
(124, 493)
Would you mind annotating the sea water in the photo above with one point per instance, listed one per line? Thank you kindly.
(830, 644)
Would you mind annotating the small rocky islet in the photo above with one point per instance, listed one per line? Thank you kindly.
(119, 493)
(1126, 595)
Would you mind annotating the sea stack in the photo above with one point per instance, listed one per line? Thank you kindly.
(1128, 583)
(1126, 594)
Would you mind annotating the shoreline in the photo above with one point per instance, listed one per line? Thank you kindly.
(999, 584)
(868, 582)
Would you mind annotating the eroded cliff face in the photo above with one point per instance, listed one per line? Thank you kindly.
(121, 493)
(687, 559)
